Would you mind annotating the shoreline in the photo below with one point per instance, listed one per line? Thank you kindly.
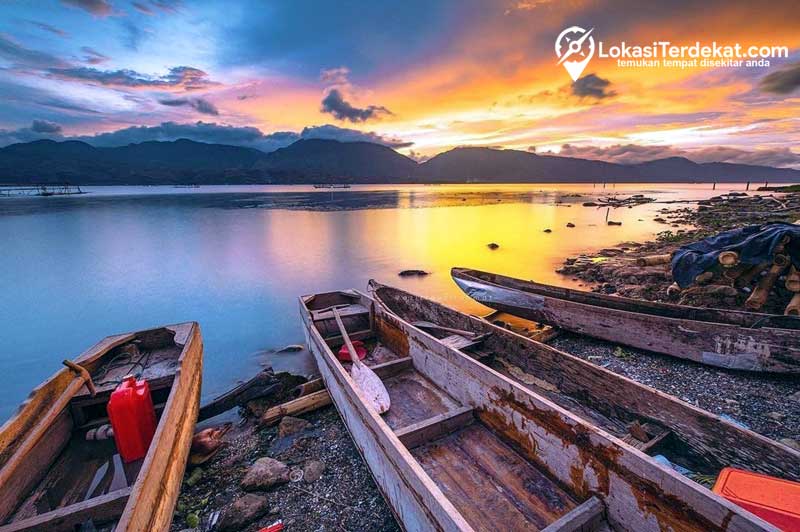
(345, 497)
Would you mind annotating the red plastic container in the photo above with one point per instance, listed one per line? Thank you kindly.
(774, 500)
(344, 353)
(133, 418)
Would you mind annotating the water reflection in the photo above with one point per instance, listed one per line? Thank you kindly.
(75, 269)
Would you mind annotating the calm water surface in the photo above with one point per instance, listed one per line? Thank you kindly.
(235, 259)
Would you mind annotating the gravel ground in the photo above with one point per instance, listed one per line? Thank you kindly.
(767, 404)
(345, 498)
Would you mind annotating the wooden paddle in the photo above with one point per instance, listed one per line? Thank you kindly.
(371, 386)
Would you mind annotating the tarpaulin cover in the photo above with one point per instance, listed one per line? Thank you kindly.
(754, 244)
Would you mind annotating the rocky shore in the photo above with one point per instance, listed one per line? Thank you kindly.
(307, 473)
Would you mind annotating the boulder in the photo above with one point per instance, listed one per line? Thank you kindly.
(312, 470)
(265, 473)
(291, 425)
(243, 511)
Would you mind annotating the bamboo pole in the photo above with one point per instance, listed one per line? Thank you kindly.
(749, 275)
(728, 259)
(764, 287)
(308, 388)
(793, 280)
(295, 407)
(654, 260)
(793, 308)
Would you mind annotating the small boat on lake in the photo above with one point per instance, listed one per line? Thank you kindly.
(726, 338)
(52, 478)
(464, 447)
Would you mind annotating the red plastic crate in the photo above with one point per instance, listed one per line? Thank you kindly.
(774, 500)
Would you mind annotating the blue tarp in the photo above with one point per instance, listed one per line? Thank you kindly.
(754, 244)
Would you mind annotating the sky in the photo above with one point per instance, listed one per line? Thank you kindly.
(420, 76)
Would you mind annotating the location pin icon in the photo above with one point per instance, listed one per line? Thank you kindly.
(569, 51)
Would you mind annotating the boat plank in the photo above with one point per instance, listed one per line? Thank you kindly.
(435, 427)
(587, 517)
(414, 399)
(99, 509)
(491, 485)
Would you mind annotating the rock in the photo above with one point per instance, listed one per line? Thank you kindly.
(777, 416)
(492, 245)
(412, 273)
(795, 396)
(265, 473)
(548, 230)
(794, 444)
(243, 511)
(589, 204)
(611, 222)
(293, 348)
(290, 425)
(570, 224)
(313, 470)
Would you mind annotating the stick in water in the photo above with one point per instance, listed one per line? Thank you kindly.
(370, 384)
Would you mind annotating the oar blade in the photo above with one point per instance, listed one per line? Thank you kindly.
(371, 387)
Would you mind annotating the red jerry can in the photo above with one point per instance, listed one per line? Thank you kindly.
(133, 418)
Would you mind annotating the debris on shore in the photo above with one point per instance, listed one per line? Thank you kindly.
(633, 270)
(304, 471)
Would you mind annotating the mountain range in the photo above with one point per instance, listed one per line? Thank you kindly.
(330, 161)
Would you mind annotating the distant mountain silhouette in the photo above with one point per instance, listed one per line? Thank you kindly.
(330, 161)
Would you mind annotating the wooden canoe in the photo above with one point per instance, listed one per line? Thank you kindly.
(52, 478)
(725, 338)
(463, 447)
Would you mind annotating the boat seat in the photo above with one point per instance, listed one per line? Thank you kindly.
(344, 311)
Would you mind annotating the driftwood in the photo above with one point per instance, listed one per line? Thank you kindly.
(262, 384)
(295, 407)
(307, 388)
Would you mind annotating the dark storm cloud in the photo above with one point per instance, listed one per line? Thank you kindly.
(335, 104)
(201, 132)
(198, 104)
(341, 134)
(783, 81)
(592, 86)
(98, 8)
(39, 129)
(183, 77)
(45, 126)
(93, 57)
(50, 28)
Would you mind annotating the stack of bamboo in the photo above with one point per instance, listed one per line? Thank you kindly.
(730, 272)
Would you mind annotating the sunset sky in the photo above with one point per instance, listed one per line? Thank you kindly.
(421, 76)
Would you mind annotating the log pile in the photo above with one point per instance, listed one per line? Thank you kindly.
(729, 276)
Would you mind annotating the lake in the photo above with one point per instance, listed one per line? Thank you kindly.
(235, 259)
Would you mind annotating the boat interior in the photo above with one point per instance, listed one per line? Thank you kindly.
(63, 478)
(646, 419)
(667, 310)
(485, 476)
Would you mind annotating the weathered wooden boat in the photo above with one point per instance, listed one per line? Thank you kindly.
(464, 447)
(52, 478)
(726, 338)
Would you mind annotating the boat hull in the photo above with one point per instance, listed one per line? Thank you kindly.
(630, 490)
(716, 344)
(37, 437)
